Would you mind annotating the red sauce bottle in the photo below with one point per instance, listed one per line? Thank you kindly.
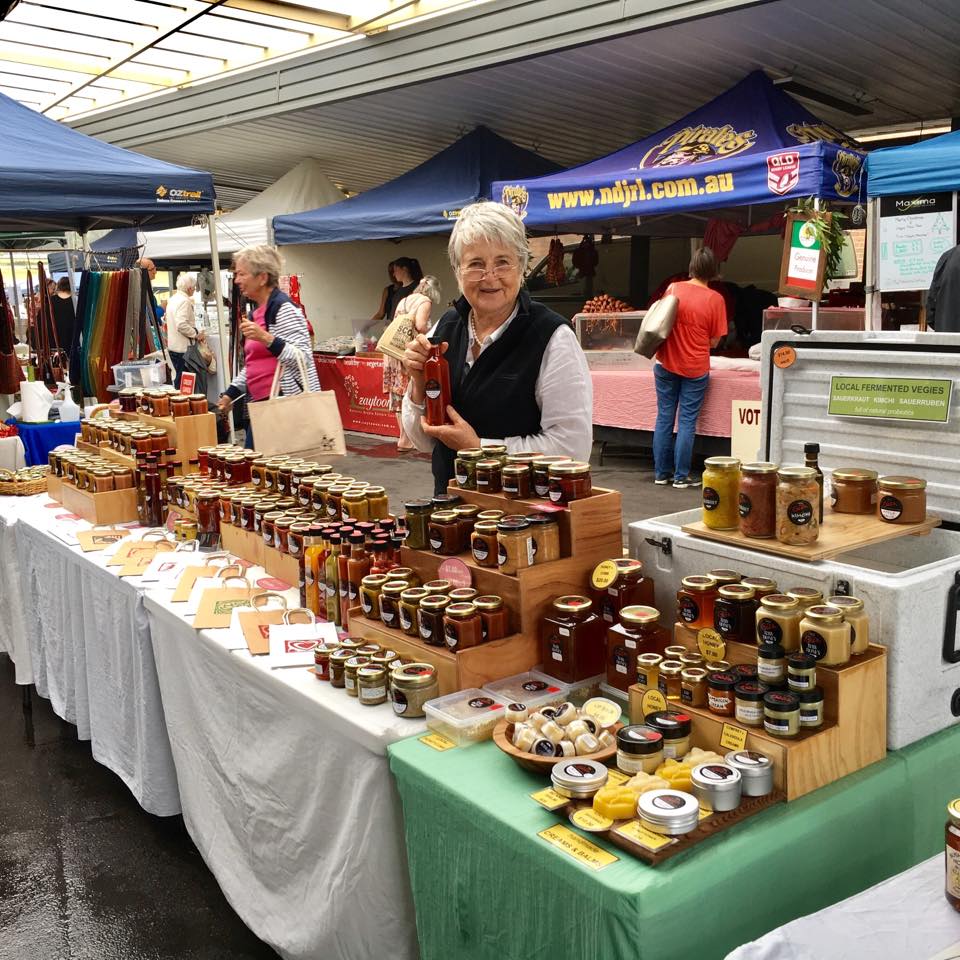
(436, 376)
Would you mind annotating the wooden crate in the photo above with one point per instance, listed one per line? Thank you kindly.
(186, 434)
(114, 506)
(853, 735)
(55, 488)
(244, 544)
(458, 670)
(280, 565)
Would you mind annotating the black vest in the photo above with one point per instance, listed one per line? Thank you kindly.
(497, 395)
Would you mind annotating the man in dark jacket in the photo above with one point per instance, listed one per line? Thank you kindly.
(943, 297)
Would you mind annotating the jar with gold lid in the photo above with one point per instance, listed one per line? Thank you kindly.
(648, 669)
(495, 451)
(417, 523)
(695, 600)
(466, 519)
(693, 687)
(515, 480)
(430, 614)
(462, 627)
(491, 515)
(853, 490)
(438, 586)
(370, 587)
(757, 499)
(408, 607)
(778, 621)
(390, 602)
(637, 631)
(267, 527)
(494, 618)
(798, 492)
(378, 506)
(413, 684)
(719, 494)
(762, 586)
(372, 684)
(487, 473)
(569, 481)
(572, 639)
(805, 596)
(545, 534)
(902, 499)
(444, 533)
(629, 587)
(483, 543)
(734, 613)
(855, 615)
(350, 669)
(514, 546)
(465, 468)
(354, 505)
(670, 679)
(825, 635)
(541, 474)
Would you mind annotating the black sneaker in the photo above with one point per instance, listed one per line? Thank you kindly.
(686, 482)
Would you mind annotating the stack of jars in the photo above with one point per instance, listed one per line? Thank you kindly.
(89, 472)
(163, 403)
(522, 476)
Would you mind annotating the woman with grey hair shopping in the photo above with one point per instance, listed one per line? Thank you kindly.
(275, 332)
(517, 373)
(181, 323)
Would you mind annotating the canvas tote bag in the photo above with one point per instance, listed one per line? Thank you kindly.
(393, 342)
(656, 326)
(306, 424)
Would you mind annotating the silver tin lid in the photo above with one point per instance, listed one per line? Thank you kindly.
(756, 771)
(578, 778)
(669, 811)
(716, 777)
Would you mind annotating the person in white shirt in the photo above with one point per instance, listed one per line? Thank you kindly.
(180, 321)
(517, 373)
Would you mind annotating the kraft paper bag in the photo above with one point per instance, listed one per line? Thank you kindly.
(189, 578)
(99, 539)
(217, 605)
(255, 626)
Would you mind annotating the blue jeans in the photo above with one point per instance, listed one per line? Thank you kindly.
(673, 391)
(179, 365)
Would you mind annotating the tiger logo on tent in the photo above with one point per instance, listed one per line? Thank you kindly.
(516, 198)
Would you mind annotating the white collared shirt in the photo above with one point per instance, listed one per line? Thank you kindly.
(564, 393)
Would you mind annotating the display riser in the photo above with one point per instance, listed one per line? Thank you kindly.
(114, 506)
(186, 434)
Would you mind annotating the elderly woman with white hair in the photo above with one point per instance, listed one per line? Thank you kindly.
(275, 332)
(517, 373)
(181, 324)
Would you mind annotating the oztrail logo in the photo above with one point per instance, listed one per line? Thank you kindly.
(174, 195)
(161, 191)
(698, 144)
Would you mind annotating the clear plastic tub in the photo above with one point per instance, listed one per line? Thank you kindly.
(533, 689)
(139, 373)
(468, 716)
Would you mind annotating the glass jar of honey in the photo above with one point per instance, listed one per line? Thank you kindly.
(670, 679)
(444, 533)
(778, 621)
(572, 640)
(462, 626)
(648, 669)
(853, 490)
(540, 470)
(805, 596)
(854, 614)
(514, 545)
(465, 468)
(693, 687)
(695, 600)
(825, 635)
(628, 588)
(762, 586)
(545, 534)
(430, 615)
(569, 481)
(494, 619)
(902, 499)
(636, 632)
(734, 613)
(408, 607)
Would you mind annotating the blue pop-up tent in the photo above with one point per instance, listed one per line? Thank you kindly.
(932, 166)
(753, 145)
(52, 177)
(422, 201)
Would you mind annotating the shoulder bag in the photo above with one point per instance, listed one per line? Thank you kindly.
(656, 326)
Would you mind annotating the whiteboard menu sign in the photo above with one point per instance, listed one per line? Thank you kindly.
(914, 232)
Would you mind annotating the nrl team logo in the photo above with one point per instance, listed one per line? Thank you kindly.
(812, 132)
(846, 168)
(516, 198)
(783, 171)
(698, 144)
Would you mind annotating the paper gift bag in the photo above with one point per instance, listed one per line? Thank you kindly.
(401, 330)
(303, 425)
(99, 538)
(137, 563)
(188, 579)
(292, 644)
(218, 603)
(253, 625)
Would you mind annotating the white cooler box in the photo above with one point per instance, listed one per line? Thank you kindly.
(910, 585)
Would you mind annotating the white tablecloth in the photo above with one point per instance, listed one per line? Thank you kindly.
(904, 917)
(13, 631)
(11, 453)
(90, 648)
(287, 793)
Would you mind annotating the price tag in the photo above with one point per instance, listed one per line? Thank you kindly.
(456, 571)
(636, 832)
(188, 382)
(586, 818)
(712, 645)
(616, 777)
(653, 701)
(604, 574)
(705, 812)
(437, 741)
(581, 849)
(733, 738)
(550, 799)
(784, 357)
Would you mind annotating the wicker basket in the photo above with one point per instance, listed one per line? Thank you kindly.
(23, 483)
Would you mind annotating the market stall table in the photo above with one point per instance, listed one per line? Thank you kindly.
(286, 792)
(905, 916)
(499, 890)
(13, 629)
(12, 454)
(358, 383)
(40, 438)
(90, 650)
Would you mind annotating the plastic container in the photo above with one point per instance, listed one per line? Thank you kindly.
(533, 689)
(139, 373)
(467, 716)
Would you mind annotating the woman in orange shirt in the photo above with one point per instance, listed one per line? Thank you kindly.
(682, 370)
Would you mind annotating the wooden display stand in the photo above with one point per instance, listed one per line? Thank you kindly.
(246, 545)
(186, 434)
(114, 506)
(853, 735)
(590, 531)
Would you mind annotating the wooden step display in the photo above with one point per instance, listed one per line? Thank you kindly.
(853, 735)
(245, 545)
(186, 434)
(839, 533)
(113, 506)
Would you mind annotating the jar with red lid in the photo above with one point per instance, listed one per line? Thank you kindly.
(757, 500)
(735, 612)
(570, 481)
(695, 600)
(629, 588)
(572, 640)
(637, 632)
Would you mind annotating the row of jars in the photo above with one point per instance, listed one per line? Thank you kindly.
(436, 612)
(375, 675)
(126, 438)
(752, 610)
(521, 476)
(163, 403)
(89, 472)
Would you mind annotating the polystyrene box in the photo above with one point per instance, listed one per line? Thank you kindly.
(467, 716)
(533, 689)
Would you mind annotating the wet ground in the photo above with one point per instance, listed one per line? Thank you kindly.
(86, 874)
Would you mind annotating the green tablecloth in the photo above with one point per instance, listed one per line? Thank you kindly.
(486, 886)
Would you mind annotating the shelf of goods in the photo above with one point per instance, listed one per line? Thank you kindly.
(114, 506)
(590, 531)
(187, 434)
(853, 734)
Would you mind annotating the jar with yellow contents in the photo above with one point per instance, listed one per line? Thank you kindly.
(721, 488)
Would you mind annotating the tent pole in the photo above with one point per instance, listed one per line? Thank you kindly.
(872, 318)
(815, 312)
(16, 289)
(221, 319)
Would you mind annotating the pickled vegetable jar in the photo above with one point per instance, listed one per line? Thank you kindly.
(797, 493)
(721, 485)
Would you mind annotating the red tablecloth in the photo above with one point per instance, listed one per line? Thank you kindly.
(628, 399)
(358, 384)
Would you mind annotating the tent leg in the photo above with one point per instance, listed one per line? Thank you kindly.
(221, 319)
(815, 312)
(873, 318)
(16, 293)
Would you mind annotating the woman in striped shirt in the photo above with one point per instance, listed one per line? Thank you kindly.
(275, 331)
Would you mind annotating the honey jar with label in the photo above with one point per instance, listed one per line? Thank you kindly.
(572, 640)
(695, 601)
(636, 632)
(825, 635)
(620, 583)
(462, 627)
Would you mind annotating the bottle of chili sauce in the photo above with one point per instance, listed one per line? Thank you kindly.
(436, 375)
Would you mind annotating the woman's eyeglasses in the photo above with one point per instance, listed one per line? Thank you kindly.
(475, 274)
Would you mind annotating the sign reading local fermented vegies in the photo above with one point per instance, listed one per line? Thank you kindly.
(891, 398)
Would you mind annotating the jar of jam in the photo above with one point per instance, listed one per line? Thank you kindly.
(491, 515)
(466, 518)
(258, 473)
(757, 500)
(495, 451)
(721, 484)
(282, 532)
(483, 543)
(695, 600)
(390, 602)
(160, 404)
(462, 626)
(572, 640)
(798, 492)
(545, 534)
(825, 635)
(407, 611)
(413, 684)
(494, 620)
(299, 531)
(463, 595)
(902, 499)
(321, 660)
(720, 693)
(724, 576)
(128, 400)
(370, 587)
(488, 476)
(267, 525)
(430, 615)
(670, 679)
(417, 520)
(748, 702)
(338, 660)
(648, 669)
(199, 404)
(636, 632)
(465, 468)
(444, 533)
(853, 490)
(514, 545)
(515, 479)
(437, 586)
(629, 588)
(734, 613)
(208, 518)
(570, 481)
(778, 621)
(693, 687)
(540, 470)
(854, 614)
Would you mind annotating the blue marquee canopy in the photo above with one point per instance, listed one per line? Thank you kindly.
(52, 177)
(753, 144)
(932, 166)
(424, 200)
